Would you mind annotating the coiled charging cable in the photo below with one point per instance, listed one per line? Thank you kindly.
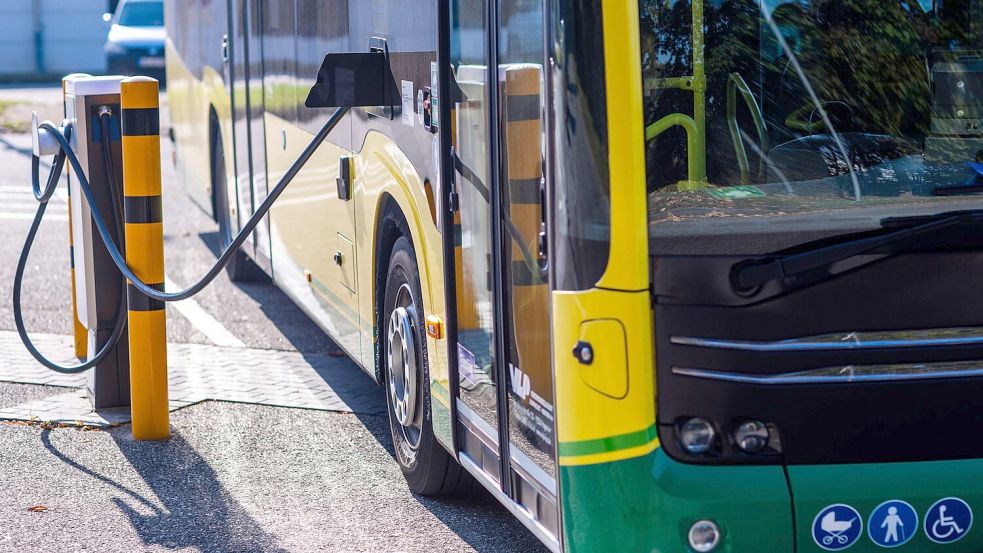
(113, 244)
(43, 196)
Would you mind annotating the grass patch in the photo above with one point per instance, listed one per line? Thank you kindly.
(11, 119)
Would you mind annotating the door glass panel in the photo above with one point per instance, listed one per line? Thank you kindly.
(322, 27)
(521, 93)
(282, 95)
(248, 107)
(240, 110)
(473, 248)
(257, 129)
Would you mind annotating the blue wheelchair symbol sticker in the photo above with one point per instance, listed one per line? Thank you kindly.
(948, 520)
(892, 523)
(837, 527)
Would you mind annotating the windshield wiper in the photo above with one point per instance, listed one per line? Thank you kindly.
(749, 275)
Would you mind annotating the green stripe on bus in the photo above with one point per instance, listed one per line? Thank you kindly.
(611, 443)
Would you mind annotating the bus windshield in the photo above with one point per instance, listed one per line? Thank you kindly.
(794, 120)
(142, 14)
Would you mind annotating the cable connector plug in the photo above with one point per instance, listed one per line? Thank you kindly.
(44, 143)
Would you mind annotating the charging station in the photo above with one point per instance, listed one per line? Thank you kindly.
(110, 139)
(99, 288)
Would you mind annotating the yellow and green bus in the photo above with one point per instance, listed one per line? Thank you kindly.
(661, 275)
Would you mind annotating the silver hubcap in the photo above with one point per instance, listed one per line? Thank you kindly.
(403, 377)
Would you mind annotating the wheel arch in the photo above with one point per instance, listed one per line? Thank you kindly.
(391, 225)
(395, 200)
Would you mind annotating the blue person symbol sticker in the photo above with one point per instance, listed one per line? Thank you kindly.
(892, 523)
(948, 520)
(837, 527)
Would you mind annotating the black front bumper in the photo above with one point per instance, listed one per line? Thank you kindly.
(836, 422)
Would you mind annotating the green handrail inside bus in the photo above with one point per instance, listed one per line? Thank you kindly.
(695, 150)
(735, 84)
(797, 121)
(695, 126)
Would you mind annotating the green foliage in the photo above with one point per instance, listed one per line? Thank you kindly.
(868, 61)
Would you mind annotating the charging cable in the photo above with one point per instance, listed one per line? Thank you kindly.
(114, 244)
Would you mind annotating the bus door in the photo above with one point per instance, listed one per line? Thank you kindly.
(503, 350)
(245, 81)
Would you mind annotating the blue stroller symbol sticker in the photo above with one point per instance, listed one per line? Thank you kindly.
(948, 520)
(892, 523)
(837, 527)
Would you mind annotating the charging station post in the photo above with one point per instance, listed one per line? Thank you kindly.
(99, 287)
(143, 213)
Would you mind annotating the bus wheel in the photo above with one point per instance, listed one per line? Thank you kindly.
(240, 268)
(426, 465)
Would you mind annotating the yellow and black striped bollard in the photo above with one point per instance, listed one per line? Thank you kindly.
(143, 210)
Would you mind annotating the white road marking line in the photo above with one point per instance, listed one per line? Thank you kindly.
(31, 207)
(30, 217)
(19, 204)
(202, 320)
(22, 199)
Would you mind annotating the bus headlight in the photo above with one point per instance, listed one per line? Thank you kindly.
(704, 536)
(697, 436)
(751, 436)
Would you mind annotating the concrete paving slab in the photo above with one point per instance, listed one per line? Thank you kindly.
(196, 372)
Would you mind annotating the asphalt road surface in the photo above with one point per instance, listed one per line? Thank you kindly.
(234, 477)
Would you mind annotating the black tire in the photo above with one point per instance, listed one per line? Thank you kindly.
(240, 268)
(428, 468)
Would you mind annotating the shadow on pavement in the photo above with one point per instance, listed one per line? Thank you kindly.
(11, 146)
(188, 497)
(27, 151)
(351, 383)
